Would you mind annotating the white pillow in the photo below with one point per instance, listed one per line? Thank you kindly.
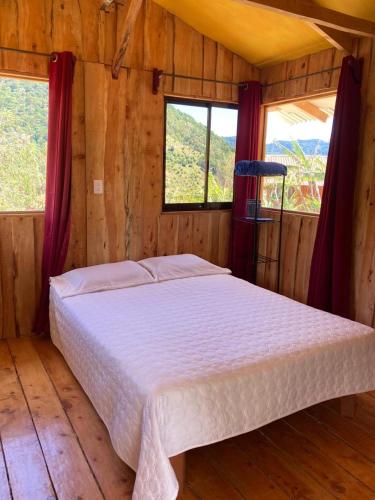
(180, 266)
(102, 277)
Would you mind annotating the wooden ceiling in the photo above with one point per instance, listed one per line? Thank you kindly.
(260, 35)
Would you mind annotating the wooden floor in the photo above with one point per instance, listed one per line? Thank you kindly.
(53, 444)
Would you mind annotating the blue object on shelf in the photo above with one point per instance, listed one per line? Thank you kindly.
(258, 168)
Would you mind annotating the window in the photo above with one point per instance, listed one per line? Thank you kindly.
(23, 144)
(200, 143)
(298, 135)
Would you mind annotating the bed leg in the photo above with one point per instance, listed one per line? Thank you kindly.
(347, 406)
(178, 464)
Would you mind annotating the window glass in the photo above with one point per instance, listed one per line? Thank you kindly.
(222, 153)
(200, 141)
(185, 150)
(23, 144)
(298, 135)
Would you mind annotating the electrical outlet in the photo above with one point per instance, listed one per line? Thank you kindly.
(98, 186)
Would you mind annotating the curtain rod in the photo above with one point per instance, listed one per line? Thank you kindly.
(50, 55)
(327, 70)
(187, 77)
(264, 85)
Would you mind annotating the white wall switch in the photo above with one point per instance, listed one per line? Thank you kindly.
(98, 186)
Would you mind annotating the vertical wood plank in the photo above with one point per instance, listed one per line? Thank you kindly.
(296, 68)
(224, 72)
(38, 221)
(272, 251)
(105, 118)
(155, 36)
(185, 233)
(289, 249)
(317, 62)
(77, 251)
(202, 237)
(209, 67)
(242, 72)
(262, 248)
(168, 82)
(305, 248)
(34, 25)
(215, 237)
(24, 281)
(114, 182)
(7, 263)
(168, 234)
(273, 75)
(225, 221)
(188, 59)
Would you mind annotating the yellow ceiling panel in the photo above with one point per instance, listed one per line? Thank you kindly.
(258, 35)
(358, 8)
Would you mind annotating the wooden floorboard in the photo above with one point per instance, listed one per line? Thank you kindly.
(27, 470)
(278, 465)
(54, 445)
(4, 479)
(69, 470)
(115, 479)
(330, 475)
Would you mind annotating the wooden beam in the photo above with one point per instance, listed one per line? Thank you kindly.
(312, 110)
(130, 19)
(307, 11)
(338, 39)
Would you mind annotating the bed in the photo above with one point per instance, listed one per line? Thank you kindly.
(181, 359)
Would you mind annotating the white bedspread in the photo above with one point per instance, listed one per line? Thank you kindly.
(175, 365)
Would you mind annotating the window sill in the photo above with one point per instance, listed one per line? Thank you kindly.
(197, 211)
(25, 213)
(292, 212)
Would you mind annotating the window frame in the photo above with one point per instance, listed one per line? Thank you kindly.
(264, 122)
(39, 78)
(206, 205)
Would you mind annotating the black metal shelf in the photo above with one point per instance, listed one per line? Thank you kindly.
(258, 220)
(257, 170)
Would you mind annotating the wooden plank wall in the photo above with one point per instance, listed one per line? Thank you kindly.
(117, 136)
(300, 230)
(291, 88)
(297, 244)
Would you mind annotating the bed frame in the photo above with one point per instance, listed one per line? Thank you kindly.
(178, 462)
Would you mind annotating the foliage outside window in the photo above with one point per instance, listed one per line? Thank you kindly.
(23, 144)
(200, 142)
(298, 135)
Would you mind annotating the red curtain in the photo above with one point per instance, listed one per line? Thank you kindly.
(329, 287)
(250, 94)
(59, 162)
